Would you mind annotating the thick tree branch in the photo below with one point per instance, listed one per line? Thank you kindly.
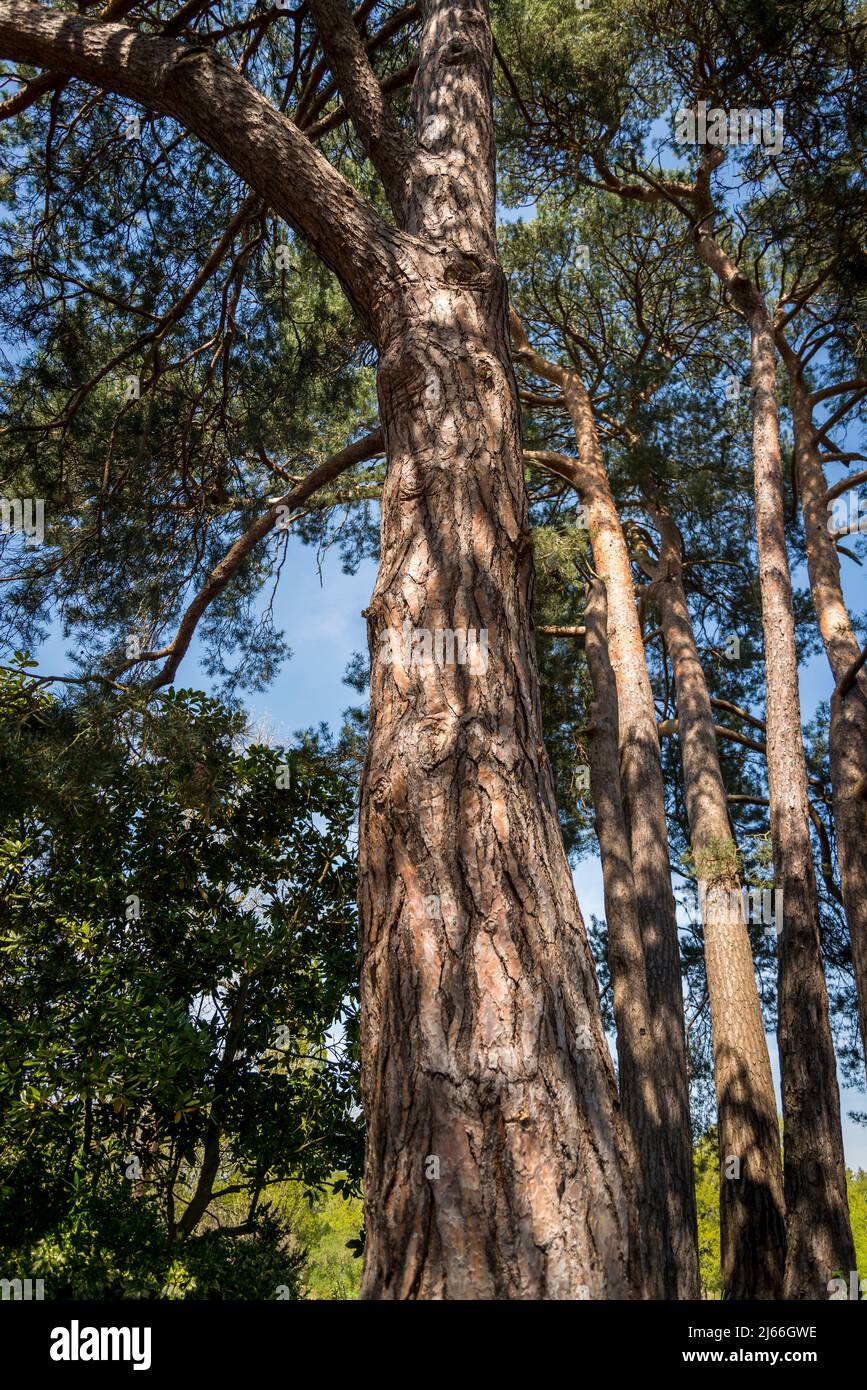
(741, 713)
(579, 633)
(821, 436)
(650, 191)
(49, 81)
(205, 95)
(387, 148)
(565, 467)
(845, 484)
(339, 116)
(850, 676)
(838, 388)
(547, 370)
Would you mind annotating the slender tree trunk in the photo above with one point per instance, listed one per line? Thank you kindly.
(636, 1049)
(847, 736)
(496, 1165)
(644, 807)
(752, 1213)
(819, 1232)
(212, 1147)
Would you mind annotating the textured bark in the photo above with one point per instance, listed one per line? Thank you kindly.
(482, 1041)
(819, 1234)
(847, 735)
(752, 1212)
(671, 1183)
(496, 1164)
(638, 1076)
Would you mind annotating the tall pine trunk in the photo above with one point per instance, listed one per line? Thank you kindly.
(819, 1234)
(644, 806)
(668, 1191)
(847, 735)
(495, 1163)
(752, 1213)
(819, 1231)
(636, 1050)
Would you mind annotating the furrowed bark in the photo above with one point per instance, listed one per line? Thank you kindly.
(644, 805)
(752, 1211)
(636, 1049)
(454, 177)
(847, 735)
(496, 1164)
